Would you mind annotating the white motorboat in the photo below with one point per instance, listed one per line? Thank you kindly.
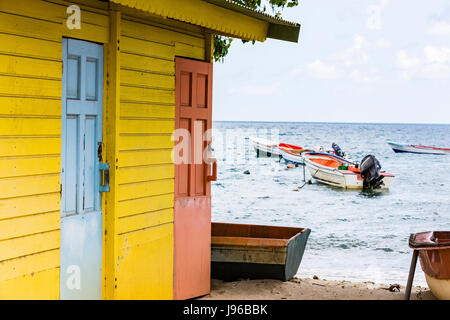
(409, 148)
(264, 147)
(339, 172)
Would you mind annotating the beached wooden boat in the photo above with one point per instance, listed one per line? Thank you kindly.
(434, 253)
(256, 251)
(264, 147)
(339, 172)
(409, 148)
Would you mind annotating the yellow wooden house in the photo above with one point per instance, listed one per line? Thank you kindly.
(89, 92)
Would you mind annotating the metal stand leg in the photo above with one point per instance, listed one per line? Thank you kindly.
(412, 270)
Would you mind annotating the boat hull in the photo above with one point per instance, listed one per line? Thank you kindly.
(439, 287)
(256, 252)
(403, 148)
(292, 158)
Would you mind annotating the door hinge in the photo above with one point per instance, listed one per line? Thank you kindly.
(60, 190)
(100, 152)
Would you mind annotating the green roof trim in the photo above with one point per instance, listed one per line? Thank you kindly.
(278, 28)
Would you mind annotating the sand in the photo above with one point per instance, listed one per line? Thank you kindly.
(309, 289)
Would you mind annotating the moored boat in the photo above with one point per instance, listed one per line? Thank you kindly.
(339, 172)
(264, 147)
(256, 251)
(409, 148)
(292, 154)
(434, 254)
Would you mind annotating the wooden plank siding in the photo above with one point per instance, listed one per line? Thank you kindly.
(31, 33)
(138, 247)
(145, 168)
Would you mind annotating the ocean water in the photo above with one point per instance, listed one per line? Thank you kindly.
(356, 235)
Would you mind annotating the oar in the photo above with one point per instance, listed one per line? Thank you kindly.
(412, 270)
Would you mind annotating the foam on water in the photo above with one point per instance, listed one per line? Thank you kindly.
(356, 235)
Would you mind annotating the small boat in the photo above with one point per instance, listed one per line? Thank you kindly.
(339, 172)
(409, 148)
(292, 154)
(264, 147)
(256, 251)
(433, 249)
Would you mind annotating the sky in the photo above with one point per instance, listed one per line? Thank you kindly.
(356, 61)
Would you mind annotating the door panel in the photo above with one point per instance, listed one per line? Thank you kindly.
(90, 150)
(81, 213)
(70, 205)
(183, 169)
(192, 207)
(200, 165)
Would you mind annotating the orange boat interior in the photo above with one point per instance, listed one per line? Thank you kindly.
(334, 163)
(434, 252)
(290, 146)
(252, 235)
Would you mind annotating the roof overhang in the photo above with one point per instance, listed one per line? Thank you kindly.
(224, 17)
(278, 28)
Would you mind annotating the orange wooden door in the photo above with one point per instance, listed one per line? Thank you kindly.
(192, 208)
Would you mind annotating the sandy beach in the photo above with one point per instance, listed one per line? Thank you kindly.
(309, 289)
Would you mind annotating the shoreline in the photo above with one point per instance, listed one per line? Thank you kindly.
(310, 289)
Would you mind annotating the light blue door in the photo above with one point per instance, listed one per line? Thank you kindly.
(81, 211)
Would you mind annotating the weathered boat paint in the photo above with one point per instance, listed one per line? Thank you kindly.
(434, 256)
(256, 251)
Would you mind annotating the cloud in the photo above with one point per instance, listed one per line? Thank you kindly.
(440, 29)
(437, 62)
(404, 61)
(297, 71)
(322, 70)
(346, 64)
(409, 65)
(273, 89)
(356, 54)
(366, 77)
(434, 65)
(437, 55)
(383, 44)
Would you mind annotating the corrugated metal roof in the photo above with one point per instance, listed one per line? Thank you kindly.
(230, 4)
(279, 28)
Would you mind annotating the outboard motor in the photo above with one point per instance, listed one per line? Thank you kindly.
(370, 172)
(337, 150)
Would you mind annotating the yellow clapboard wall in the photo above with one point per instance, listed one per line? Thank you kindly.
(146, 172)
(31, 34)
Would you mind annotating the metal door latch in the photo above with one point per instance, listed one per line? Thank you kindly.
(104, 177)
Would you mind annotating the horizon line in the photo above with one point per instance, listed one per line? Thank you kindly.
(336, 122)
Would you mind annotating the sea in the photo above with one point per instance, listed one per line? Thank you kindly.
(355, 235)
